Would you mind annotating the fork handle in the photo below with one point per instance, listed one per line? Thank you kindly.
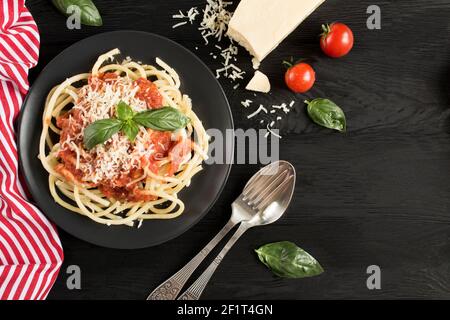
(195, 290)
(169, 289)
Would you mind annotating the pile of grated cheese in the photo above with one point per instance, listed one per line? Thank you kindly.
(215, 19)
(214, 26)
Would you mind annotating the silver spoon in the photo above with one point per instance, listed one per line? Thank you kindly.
(264, 178)
(268, 201)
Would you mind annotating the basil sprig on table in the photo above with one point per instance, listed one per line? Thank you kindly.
(327, 114)
(287, 260)
(89, 13)
(127, 121)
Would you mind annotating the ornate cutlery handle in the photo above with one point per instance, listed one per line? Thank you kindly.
(195, 290)
(169, 289)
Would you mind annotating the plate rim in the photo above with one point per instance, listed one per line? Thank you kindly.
(24, 104)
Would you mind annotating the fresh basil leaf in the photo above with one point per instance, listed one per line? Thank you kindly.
(100, 131)
(163, 119)
(89, 13)
(124, 111)
(287, 260)
(131, 129)
(327, 114)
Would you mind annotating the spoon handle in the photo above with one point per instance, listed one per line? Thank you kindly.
(169, 289)
(195, 290)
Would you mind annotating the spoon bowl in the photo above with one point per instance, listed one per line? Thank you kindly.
(275, 204)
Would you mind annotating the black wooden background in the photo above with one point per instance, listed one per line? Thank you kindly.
(379, 194)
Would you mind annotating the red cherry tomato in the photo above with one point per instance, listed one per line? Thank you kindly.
(300, 77)
(336, 40)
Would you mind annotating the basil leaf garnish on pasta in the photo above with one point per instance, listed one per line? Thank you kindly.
(124, 111)
(131, 129)
(100, 131)
(163, 119)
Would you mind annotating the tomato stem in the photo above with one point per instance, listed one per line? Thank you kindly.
(288, 64)
(326, 30)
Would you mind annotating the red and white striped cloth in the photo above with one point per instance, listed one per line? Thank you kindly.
(30, 250)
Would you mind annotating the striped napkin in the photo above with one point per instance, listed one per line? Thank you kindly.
(30, 251)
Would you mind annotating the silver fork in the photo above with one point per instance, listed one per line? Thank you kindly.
(169, 289)
(268, 202)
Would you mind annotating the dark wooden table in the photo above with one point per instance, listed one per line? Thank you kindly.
(377, 195)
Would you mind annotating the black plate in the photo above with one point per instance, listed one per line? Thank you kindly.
(209, 102)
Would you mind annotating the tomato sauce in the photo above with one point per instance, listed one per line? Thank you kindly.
(178, 153)
(96, 82)
(125, 189)
(149, 93)
(68, 167)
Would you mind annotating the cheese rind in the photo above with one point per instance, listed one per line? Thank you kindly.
(260, 83)
(261, 25)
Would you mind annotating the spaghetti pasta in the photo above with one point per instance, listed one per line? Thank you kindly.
(120, 182)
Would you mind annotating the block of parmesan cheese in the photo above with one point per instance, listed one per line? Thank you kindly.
(261, 25)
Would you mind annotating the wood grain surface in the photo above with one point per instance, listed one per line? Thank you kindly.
(376, 195)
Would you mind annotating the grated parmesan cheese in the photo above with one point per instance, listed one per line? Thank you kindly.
(214, 25)
(179, 24)
(282, 107)
(272, 133)
(190, 15)
(246, 103)
(261, 108)
(215, 19)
